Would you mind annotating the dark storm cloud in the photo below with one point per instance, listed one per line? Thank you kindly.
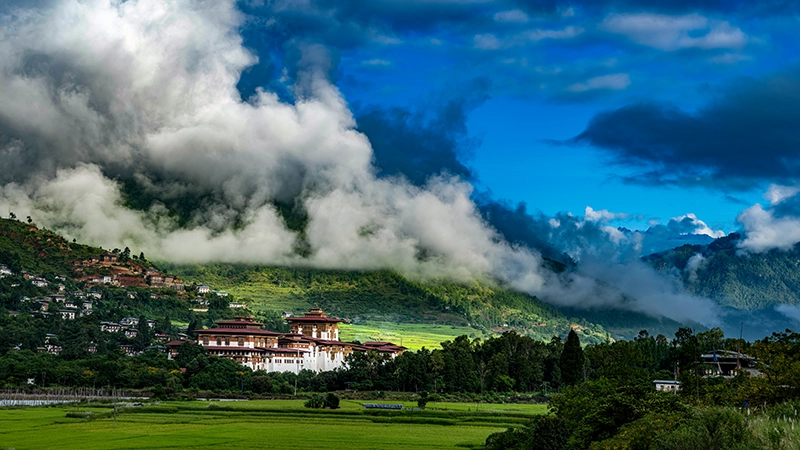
(430, 140)
(520, 227)
(746, 133)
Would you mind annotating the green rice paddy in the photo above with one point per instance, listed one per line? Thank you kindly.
(274, 424)
(411, 335)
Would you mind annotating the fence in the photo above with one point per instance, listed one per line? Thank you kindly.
(36, 397)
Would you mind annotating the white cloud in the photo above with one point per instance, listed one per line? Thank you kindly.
(764, 231)
(567, 33)
(790, 311)
(777, 193)
(487, 42)
(693, 264)
(602, 215)
(615, 82)
(376, 63)
(671, 33)
(511, 16)
(697, 226)
(729, 58)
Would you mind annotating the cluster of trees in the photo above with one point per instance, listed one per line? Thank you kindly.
(616, 407)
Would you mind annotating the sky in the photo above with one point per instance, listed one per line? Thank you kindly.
(536, 75)
(444, 139)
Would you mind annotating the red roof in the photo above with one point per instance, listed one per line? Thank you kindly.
(238, 322)
(232, 347)
(390, 349)
(176, 343)
(243, 331)
(314, 319)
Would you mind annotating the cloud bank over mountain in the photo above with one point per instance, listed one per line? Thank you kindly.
(99, 95)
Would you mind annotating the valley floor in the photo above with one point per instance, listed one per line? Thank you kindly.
(257, 424)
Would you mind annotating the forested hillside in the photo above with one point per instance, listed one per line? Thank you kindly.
(387, 296)
(23, 246)
(721, 272)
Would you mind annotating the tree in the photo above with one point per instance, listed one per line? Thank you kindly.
(422, 400)
(144, 335)
(572, 360)
(164, 326)
(12, 216)
(30, 220)
(187, 352)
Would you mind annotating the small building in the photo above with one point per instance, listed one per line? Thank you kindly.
(316, 324)
(110, 327)
(68, 314)
(727, 364)
(108, 258)
(386, 348)
(236, 305)
(128, 350)
(40, 282)
(667, 385)
(203, 289)
(129, 322)
(51, 344)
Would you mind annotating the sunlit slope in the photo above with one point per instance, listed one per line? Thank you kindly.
(385, 296)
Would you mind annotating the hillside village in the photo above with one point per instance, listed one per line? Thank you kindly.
(110, 283)
(313, 342)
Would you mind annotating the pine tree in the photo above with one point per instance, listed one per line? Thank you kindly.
(572, 360)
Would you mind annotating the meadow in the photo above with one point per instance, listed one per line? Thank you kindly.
(257, 424)
(413, 336)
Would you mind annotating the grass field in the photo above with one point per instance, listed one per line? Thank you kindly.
(258, 424)
(411, 335)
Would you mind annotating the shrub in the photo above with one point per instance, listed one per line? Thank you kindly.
(332, 401)
(315, 402)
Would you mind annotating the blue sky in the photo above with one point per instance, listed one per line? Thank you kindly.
(528, 78)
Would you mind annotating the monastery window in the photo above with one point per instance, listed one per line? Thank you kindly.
(205, 340)
(227, 341)
(219, 341)
(241, 342)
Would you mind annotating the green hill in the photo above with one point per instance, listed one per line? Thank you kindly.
(23, 246)
(387, 297)
(731, 278)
